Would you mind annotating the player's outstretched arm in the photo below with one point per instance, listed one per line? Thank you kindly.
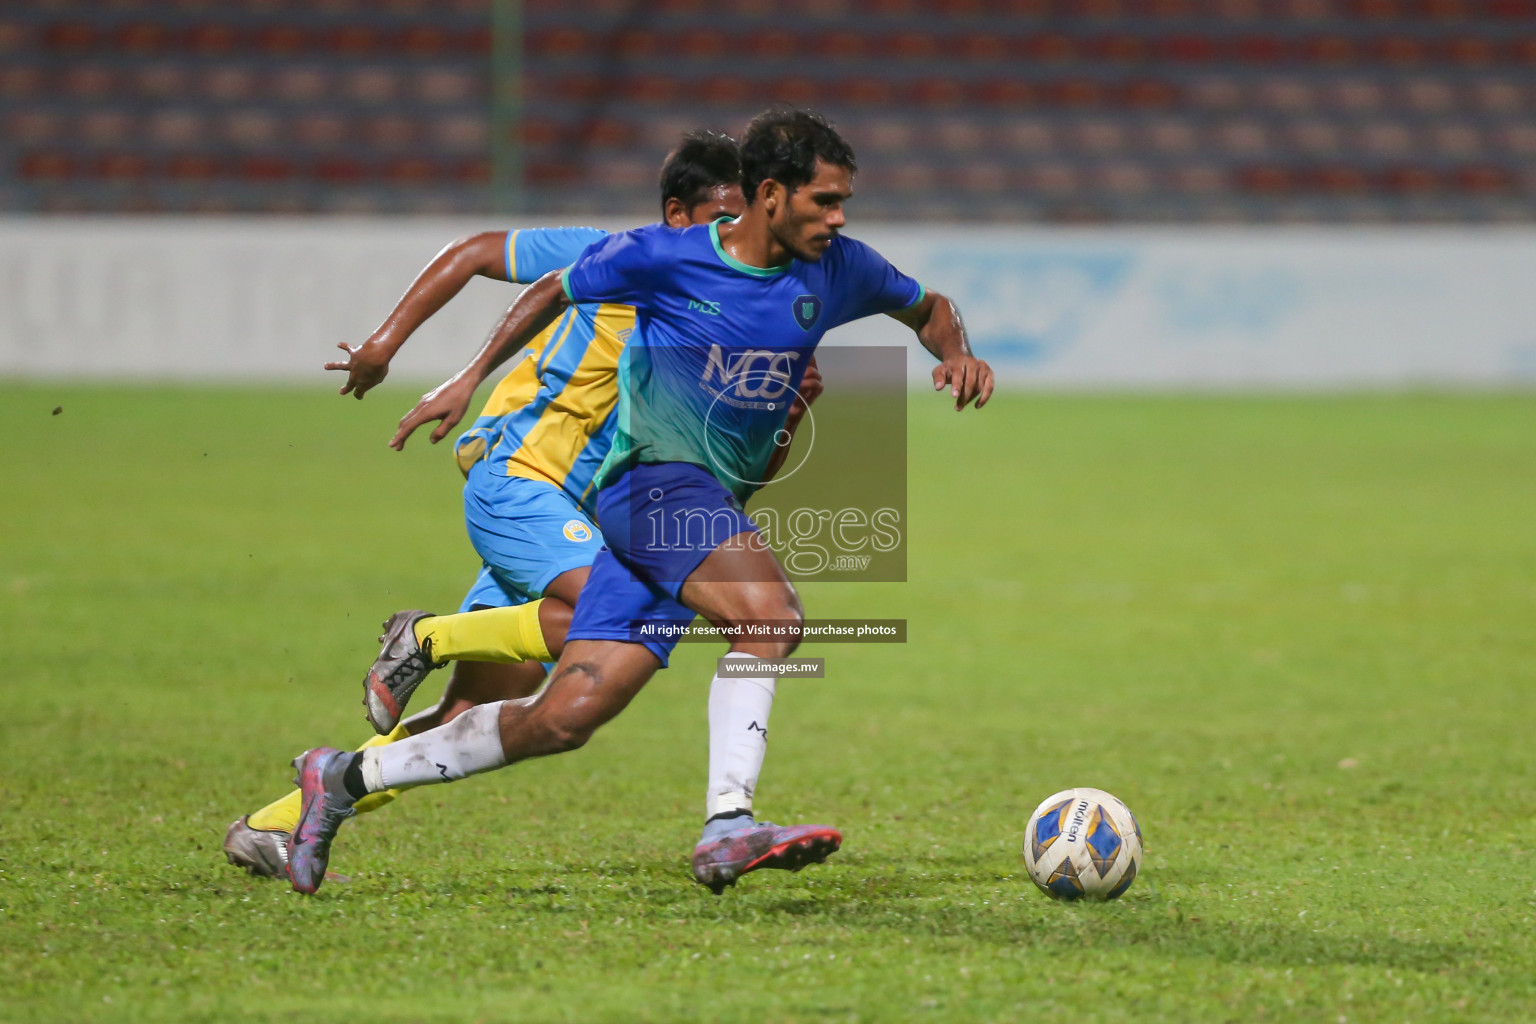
(533, 311)
(450, 270)
(941, 331)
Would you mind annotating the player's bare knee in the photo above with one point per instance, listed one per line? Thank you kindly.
(565, 717)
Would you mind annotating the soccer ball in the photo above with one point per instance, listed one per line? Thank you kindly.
(1082, 843)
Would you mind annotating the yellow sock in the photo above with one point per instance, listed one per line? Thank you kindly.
(491, 634)
(282, 815)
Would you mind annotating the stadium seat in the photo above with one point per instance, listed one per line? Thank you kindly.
(1331, 49)
(605, 133)
(160, 80)
(892, 135)
(322, 129)
(1257, 49)
(414, 170)
(1473, 51)
(864, 91)
(1077, 92)
(446, 86)
(841, 46)
(1412, 179)
(301, 84)
(1483, 179)
(71, 37)
(1519, 139)
(702, 44)
(176, 128)
(1008, 93)
(1315, 136)
(229, 83)
(105, 127)
(1199, 179)
(30, 127)
(88, 81)
(989, 178)
(194, 167)
(122, 167)
(1029, 136)
(961, 136)
(775, 45)
(1267, 179)
(422, 41)
(391, 132)
(213, 40)
(1339, 178)
(1097, 136)
(1120, 48)
(460, 132)
(1126, 178)
(371, 84)
(1498, 97)
(1357, 95)
(1404, 51)
(1385, 138)
(1428, 95)
(339, 170)
(17, 82)
(16, 36)
(1169, 135)
(1287, 94)
(936, 92)
(252, 129)
(1460, 141)
(983, 47)
(1149, 92)
(282, 40)
(46, 166)
(1243, 137)
(1215, 92)
(141, 39)
(654, 89)
(1052, 178)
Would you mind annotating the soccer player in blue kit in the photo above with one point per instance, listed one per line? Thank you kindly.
(728, 316)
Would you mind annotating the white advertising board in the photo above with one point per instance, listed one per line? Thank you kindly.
(251, 299)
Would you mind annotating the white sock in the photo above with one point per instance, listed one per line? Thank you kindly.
(468, 745)
(738, 739)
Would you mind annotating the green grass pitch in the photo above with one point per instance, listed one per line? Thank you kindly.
(1296, 635)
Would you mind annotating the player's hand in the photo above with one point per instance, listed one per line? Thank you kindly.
(811, 387)
(446, 402)
(967, 378)
(367, 365)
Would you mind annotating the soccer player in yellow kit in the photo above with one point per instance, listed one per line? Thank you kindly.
(529, 460)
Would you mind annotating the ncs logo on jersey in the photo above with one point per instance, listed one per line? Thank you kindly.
(751, 372)
(577, 531)
(807, 311)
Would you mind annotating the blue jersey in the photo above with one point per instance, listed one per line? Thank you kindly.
(551, 418)
(720, 347)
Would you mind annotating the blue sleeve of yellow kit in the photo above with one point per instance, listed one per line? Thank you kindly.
(533, 252)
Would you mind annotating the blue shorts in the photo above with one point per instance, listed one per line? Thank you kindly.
(662, 521)
(526, 532)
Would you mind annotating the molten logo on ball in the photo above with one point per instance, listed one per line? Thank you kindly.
(1102, 866)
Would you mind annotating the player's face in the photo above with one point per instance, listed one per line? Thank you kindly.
(811, 216)
(722, 201)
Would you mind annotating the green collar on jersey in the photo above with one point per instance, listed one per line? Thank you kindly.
(733, 262)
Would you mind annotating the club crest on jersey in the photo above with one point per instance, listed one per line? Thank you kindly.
(577, 531)
(807, 311)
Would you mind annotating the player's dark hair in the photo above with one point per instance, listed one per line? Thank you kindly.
(785, 144)
(705, 161)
